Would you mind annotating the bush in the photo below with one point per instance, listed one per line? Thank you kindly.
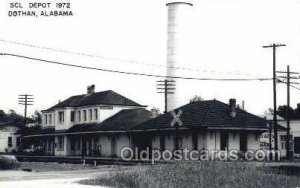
(196, 174)
(8, 162)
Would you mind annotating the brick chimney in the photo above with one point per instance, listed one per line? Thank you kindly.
(91, 89)
(232, 107)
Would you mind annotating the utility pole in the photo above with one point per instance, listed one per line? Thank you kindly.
(166, 87)
(25, 100)
(288, 84)
(274, 46)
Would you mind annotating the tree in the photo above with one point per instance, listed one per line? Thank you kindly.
(270, 111)
(3, 115)
(155, 112)
(196, 98)
(284, 110)
(37, 117)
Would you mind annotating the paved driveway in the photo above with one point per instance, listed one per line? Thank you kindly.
(57, 179)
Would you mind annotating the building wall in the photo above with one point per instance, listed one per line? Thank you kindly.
(105, 144)
(253, 141)
(5, 132)
(213, 140)
(187, 141)
(156, 142)
(209, 140)
(234, 140)
(202, 142)
(169, 142)
(66, 150)
(122, 141)
(103, 112)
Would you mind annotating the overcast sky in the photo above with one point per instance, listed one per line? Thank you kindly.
(225, 40)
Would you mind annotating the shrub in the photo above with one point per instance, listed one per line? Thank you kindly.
(196, 174)
(8, 162)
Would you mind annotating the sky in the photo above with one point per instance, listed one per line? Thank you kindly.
(224, 40)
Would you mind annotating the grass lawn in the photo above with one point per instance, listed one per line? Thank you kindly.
(197, 174)
(53, 166)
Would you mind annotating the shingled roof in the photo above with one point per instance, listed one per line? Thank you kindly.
(108, 97)
(210, 113)
(37, 130)
(9, 123)
(122, 121)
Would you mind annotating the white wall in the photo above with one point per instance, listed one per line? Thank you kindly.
(187, 141)
(213, 140)
(5, 132)
(234, 140)
(104, 112)
(156, 142)
(253, 141)
(66, 147)
(169, 142)
(202, 142)
(105, 144)
(122, 141)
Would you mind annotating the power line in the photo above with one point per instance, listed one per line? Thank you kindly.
(274, 47)
(134, 73)
(288, 78)
(26, 100)
(121, 60)
(295, 87)
(166, 87)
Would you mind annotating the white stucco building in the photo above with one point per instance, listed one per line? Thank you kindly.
(206, 125)
(92, 124)
(9, 141)
(100, 124)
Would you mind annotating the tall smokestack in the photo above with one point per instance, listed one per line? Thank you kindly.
(177, 12)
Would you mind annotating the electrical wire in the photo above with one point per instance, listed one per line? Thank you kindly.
(121, 60)
(133, 73)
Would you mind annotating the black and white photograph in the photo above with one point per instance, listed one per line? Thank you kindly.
(140, 93)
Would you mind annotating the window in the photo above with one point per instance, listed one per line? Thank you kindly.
(283, 139)
(91, 114)
(9, 142)
(73, 144)
(211, 134)
(180, 146)
(61, 117)
(195, 141)
(297, 145)
(162, 142)
(78, 143)
(18, 141)
(49, 145)
(61, 142)
(96, 113)
(243, 141)
(79, 116)
(224, 141)
(46, 119)
(50, 119)
(72, 116)
(84, 115)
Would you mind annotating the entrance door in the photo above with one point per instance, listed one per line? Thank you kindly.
(113, 146)
(224, 141)
(142, 142)
(162, 142)
(243, 142)
(297, 145)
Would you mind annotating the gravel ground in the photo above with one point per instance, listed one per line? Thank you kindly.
(52, 175)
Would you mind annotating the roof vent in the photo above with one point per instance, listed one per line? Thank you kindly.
(91, 89)
(232, 106)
